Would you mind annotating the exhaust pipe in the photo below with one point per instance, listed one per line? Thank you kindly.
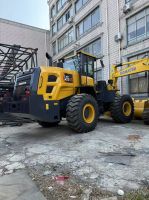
(49, 58)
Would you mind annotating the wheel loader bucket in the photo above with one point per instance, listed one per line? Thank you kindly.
(139, 106)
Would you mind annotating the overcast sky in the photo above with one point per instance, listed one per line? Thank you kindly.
(31, 12)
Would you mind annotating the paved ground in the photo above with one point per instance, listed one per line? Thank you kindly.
(19, 186)
(111, 157)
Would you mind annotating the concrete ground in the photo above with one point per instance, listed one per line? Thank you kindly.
(19, 186)
(111, 157)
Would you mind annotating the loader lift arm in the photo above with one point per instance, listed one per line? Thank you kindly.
(133, 67)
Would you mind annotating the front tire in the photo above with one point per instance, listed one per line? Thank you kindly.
(47, 124)
(82, 113)
(122, 109)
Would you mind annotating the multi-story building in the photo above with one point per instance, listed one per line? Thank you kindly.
(113, 30)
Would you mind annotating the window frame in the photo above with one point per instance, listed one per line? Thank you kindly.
(91, 44)
(96, 76)
(53, 7)
(61, 4)
(82, 5)
(64, 16)
(133, 21)
(53, 33)
(64, 40)
(54, 51)
(84, 19)
(127, 1)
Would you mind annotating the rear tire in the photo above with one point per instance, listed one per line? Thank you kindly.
(122, 109)
(146, 116)
(47, 124)
(82, 113)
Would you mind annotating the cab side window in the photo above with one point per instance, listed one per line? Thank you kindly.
(87, 66)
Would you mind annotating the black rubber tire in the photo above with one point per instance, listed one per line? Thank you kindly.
(1, 108)
(116, 109)
(47, 124)
(74, 112)
(146, 116)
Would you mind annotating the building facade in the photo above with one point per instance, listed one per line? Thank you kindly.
(114, 31)
(134, 27)
(26, 36)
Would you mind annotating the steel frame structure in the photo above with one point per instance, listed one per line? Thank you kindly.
(14, 59)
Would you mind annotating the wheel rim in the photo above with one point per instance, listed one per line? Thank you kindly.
(127, 108)
(88, 113)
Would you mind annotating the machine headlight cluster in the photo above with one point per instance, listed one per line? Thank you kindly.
(68, 78)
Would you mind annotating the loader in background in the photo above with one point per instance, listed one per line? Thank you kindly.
(141, 105)
(68, 90)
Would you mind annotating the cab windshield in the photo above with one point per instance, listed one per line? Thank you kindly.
(71, 64)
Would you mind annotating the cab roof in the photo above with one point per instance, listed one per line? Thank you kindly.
(86, 53)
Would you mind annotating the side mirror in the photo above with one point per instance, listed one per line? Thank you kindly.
(102, 63)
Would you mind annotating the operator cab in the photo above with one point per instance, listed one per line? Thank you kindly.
(82, 62)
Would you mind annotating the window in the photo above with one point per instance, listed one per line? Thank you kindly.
(90, 66)
(53, 29)
(69, 64)
(59, 23)
(131, 32)
(79, 4)
(54, 48)
(93, 48)
(64, 18)
(95, 17)
(69, 54)
(138, 83)
(79, 29)
(60, 4)
(130, 1)
(88, 23)
(53, 11)
(138, 26)
(98, 75)
(65, 39)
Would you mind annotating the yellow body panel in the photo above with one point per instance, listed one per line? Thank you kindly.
(139, 106)
(87, 81)
(61, 88)
(110, 87)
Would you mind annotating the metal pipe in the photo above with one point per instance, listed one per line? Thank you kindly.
(107, 26)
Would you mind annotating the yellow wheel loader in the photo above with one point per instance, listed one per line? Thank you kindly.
(141, 106)
(68, 90)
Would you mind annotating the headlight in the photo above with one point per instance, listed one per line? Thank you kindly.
(68, 78)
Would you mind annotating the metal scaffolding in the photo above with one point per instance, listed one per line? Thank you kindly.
(14, 59)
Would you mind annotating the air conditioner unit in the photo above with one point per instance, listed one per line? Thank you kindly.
(127, 8)
(70, 20)
(118, 37)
